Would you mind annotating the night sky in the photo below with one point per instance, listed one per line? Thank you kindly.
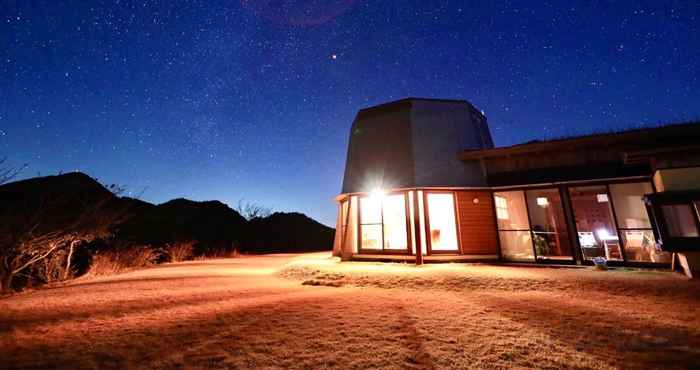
(254, 99)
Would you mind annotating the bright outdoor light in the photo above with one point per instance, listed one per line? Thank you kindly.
(604, 234)
(542, 201)
(377, 193)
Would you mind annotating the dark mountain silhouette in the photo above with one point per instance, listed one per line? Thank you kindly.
(287, 232)
(184, 220)
(212, 224)
(51, 202)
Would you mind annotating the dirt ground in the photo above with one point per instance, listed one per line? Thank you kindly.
(311, 311)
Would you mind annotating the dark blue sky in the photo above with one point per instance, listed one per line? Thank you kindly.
(245, 99)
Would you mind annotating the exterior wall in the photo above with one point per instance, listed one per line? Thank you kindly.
(687, 178)
(477, 235)
(476, 222)
(439, 131)
(414, 143)
(477, 228)
(379, 152)
(345, 243)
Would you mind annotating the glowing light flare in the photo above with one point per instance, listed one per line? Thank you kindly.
(604, 234)
(377, 194)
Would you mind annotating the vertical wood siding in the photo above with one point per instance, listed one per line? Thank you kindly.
(477, 222)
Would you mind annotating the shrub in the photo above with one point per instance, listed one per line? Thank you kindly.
(112, 261)
(178, 252)
(221, 249)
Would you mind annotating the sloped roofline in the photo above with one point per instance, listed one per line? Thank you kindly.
(678, 133)
(395, 103)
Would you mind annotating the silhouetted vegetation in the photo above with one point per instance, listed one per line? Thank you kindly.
(250, 210)
(43, 227)
(58, 227)
(9, 172)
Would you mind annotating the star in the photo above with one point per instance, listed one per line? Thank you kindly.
(334, 56)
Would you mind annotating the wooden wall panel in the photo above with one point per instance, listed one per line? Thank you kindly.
(477, 222)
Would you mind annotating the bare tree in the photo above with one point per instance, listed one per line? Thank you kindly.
(252, 210)
(33, 242)
(8, 172)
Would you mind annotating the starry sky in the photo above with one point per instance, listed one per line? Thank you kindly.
(231, 99)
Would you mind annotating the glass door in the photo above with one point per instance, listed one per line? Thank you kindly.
(550, 237)
(595, 224)
(441, 223)
(513, 226)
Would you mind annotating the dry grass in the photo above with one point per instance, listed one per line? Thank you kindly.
(180, 251)
(254, 312)
(114, 261)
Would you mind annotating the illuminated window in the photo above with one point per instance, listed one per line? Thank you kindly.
(548, 224)
(633, 222)
(597, 232)
(371, 223)
(513, 226)
(421, 223)
(441, 222)
(501, 207)
(383, 221)
(344, 217)
(395, 235)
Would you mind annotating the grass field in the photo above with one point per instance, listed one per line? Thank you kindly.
(310, 311)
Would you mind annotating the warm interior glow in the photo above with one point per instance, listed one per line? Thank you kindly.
(604, 234)
(501, 208)
(394, 208)
(513, 226)
(383, 218)
(441, 215)
(377, 194)
(371, 220)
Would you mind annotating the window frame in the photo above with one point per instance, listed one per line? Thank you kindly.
(528, 230)
(620, 240)
(568, 211)
(620, 230)
(568, 215)
(663, 237)
(426, 213)
(383, 250)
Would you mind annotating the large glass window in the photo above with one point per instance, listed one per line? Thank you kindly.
(633, 223)
(344, 218)
(595, 226)
(371, 223)
(383, 222)
(629, 206)
(513, 226)
(441, 222)
(548, 225)
(395, 233)
(680, 220)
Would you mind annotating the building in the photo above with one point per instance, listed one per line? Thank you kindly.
(423, 175)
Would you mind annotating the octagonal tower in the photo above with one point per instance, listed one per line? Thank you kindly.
(413, 143)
